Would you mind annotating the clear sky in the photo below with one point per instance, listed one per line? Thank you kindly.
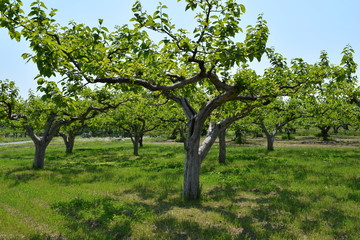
(298, 28)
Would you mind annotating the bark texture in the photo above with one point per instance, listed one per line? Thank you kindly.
(191, 189)
(39, 158)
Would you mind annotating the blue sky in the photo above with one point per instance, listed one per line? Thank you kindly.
(298, 28)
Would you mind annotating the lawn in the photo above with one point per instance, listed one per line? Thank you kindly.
(101, 191)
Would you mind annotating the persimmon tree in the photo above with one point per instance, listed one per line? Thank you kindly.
(203, 59)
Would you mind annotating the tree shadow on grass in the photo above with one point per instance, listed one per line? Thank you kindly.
(19, 175)
(172, 228)
(92, 165)
(274, 212)
(61, 175)
(106, 218)
(151, 188)
(101, 218)
(261, 214)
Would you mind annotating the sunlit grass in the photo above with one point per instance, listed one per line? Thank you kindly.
(102, 191)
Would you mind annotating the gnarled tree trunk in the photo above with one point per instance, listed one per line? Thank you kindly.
(69, 141)
(270, 139)
(39, 158)
(191, 188)
(42, 142)
(135, 140)
(195, 154)
(270, 136)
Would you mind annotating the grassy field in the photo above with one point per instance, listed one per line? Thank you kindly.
(101, 191)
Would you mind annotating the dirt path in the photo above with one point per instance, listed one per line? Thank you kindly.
(299, 141)
(310, 142)
(14, 143)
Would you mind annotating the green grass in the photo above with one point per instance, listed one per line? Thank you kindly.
(101, 191)
(13, 139)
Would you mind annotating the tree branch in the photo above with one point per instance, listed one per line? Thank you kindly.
(148, 85)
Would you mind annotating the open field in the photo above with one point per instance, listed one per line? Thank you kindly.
(302, 190)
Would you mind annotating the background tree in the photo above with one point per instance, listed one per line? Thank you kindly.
(42, 117)
(68, 134)
(332, 97)
(278, 115)
(142, 114)
(96, 102)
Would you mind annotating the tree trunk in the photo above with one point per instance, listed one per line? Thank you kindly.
(336, 129)
(39, 158)
(222, 146)
(270, 141)
(141, 140)
(239, 137)
(270, 136)
(288, 135)
(238, 133)
(195, 154)
(135, 140)
(325, 133)
(70, 144)
(191, 186)
(69, 141)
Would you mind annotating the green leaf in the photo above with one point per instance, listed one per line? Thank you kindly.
(40, 81)
(242, 7)
(25, 55)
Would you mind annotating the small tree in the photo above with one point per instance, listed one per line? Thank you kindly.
(142, 114)
(68, 134)
(277, 115)
(331, 99)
